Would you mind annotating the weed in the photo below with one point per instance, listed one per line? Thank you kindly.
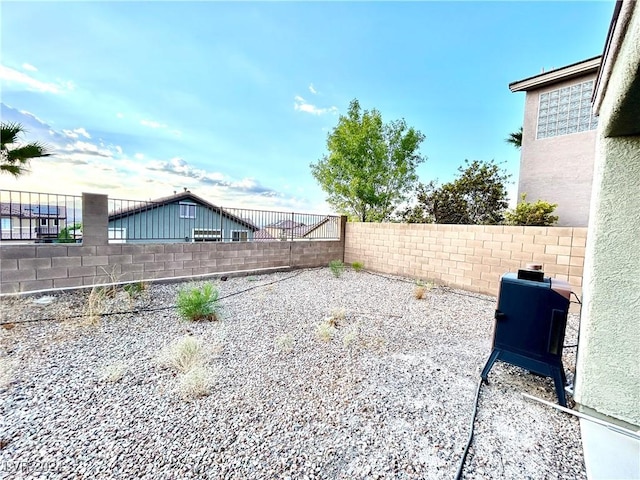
(112, 289)
(337, 268)
(337, 315)
(285, 343)
(184, 354)
(113, 373)
(195, 383)
(325, 331)
(135, 289)
(350, 337)
(94, 307)
(357, 266)
(419, 292)
(198, 304)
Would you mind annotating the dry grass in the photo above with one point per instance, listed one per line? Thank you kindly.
(95, 306)
(184, 354)
(285, 343)
(419, 292)
(113, 373)
(114, 277)
(195, 383)
(325, 331)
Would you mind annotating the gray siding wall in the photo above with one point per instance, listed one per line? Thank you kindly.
(164, 224)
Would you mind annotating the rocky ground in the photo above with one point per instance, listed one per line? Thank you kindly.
(386, 393)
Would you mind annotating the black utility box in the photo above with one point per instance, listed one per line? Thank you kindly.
(530, 322)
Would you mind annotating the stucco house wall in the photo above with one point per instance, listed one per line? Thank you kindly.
(557, 169)
(608, 365)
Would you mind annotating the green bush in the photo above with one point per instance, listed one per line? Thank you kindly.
(68, 234)
(198, 304)
(337, 267)
(357, 266)
(539, 213)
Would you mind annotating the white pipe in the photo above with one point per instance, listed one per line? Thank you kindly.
(609, 425)
(149, 280)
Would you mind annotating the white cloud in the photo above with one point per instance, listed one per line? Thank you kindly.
(119, 149)
(302, 105)
(152, 124)
(29, 67)
(14, 76)
(139, 156)
(311, 89)
(88, 148)
(75, 133)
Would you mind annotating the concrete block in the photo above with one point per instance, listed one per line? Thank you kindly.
(9, 276)
(8, 264)
(95, 260)
(82, 271)
(17, 251)
(66, 262)
(67, 282)
(34, 263)
(59, 250)
(34, 285)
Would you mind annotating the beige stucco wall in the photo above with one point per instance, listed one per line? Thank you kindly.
(557, 169)
(608, 367)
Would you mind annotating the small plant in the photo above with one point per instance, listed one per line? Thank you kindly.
(195, 383)
(135, 289)
(419, 292)
(325, 331)
(285, 343)
(69, 234)
(337, 267)
(113, 373)
(350, 337)
(198, 304)
(357, 266)
(538, 213)
(184, 354)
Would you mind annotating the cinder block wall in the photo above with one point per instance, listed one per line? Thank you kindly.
(472, 257)
(25, 268)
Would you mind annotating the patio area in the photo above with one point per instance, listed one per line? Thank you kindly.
(308, 376)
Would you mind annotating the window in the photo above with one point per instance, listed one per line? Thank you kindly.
(566, 110)
(202, 235)
(48, 221)
(187, 210)
(6, 224)
(239, 235)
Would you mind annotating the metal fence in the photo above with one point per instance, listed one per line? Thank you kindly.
(40, 217)
(189, 219)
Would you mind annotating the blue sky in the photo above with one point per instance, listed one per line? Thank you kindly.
(235, 100)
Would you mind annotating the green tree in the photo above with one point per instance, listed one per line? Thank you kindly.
(15, 160)
(515, 139)
(477, 197)
(69, 234)
(371, 166)
(538, 213)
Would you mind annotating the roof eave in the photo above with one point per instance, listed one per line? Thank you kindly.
(584, 67)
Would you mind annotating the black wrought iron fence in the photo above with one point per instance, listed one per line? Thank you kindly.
(188, 218)
(40, 217)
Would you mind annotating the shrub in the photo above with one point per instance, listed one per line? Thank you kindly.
(539, 213)
(419, 292)
(357, 266)
(198, 304)
(95, 305)
(337, 267)
(135, 289)
(337, 315)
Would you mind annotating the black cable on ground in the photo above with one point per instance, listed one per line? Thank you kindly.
(473, 421)
(443, 287)
(145, 310)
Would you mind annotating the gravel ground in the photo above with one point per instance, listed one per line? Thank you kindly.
(390, 395)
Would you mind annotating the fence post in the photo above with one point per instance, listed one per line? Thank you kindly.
(343, 230)
(95, 219)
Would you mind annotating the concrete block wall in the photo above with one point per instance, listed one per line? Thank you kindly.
(471, 257)
(39, 267)
(25, 268)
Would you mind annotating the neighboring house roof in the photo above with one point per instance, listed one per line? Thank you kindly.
(304, 230)
(24, 210)
(182, 196)
(263, 236)
(285, 224)
(584, 67)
